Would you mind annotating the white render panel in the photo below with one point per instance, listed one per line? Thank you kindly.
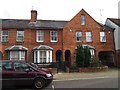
(116, 33)
(50, 56)
(38, 55)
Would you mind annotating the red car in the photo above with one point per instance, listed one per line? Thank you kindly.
(20, 73)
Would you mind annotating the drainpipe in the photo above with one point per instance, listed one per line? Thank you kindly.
(63, 45)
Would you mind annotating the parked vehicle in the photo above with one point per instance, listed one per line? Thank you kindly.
(36, 66)
(19, 73)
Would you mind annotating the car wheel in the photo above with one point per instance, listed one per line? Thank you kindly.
(39, 83)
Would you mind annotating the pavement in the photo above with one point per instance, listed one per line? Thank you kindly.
(110, 73)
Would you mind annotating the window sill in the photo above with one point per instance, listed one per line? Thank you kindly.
(39, 41)
(5, 42)
(89, 42)
(103, 42)
(79, 41)
(19, 41)
(54, 41)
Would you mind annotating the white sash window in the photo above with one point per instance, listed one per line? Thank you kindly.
(42, 56)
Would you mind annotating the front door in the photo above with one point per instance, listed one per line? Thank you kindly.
(59, 59)
(67, 58)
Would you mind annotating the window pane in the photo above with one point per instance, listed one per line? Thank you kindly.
(79, 36)
(88, 37)
(45, 56)
(48, 56)
(83, 20)
(7, 65)
(22, 57)
(54, 36)
(14, 55)
(20, 36)
(5, 32)
(102, 37)
(17, 55)
(18, 66)
(4, 36)
(40, 36)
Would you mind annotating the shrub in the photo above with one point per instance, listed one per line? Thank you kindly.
(95, 62)
(80, 56)
(87, 56)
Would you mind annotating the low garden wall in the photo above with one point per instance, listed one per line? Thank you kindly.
(93, 69)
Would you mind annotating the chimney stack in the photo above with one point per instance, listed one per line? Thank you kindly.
(33, 16)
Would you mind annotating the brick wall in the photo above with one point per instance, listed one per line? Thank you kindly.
(90, 26)
(66, 38)
(30, 42)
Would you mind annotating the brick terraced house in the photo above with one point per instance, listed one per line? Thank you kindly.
(50, 41)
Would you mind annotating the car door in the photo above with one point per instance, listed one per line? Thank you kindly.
(7, 74)
(22, 74)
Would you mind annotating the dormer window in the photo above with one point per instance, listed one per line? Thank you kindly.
(82, 19)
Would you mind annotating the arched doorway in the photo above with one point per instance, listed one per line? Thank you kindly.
(0, 55)
(59, 59)
(58, 55)
(107, 58)
(68, 58)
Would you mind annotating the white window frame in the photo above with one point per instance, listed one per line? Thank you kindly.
(102, 37)
(21, 55)
(39, 59)
(6, 36)
(88, 36)
(92, 51)
(54, 38)
(79, 36)
(43, 55)
(82, 19)
(18, 36)
(39, 36)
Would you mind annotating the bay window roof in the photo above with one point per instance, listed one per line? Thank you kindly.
(16, 48)
(43, 47)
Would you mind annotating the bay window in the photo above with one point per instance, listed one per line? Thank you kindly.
(17, 55)
(42, 56)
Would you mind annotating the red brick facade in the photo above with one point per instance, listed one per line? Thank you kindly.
(74, 25)
(66, 45)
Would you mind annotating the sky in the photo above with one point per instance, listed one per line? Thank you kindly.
(100, 10)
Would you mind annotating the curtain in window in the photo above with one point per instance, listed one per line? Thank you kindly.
(17, 55)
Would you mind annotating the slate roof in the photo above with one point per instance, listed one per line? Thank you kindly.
(40, 24)
(48, 24)
(105, 27)
(116, 21)
(14, 23)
